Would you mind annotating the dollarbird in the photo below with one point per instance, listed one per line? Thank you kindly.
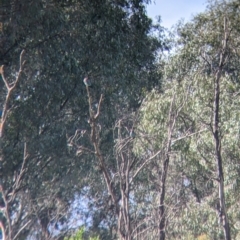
(87, 82)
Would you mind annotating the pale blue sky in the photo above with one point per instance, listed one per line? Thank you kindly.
(173, 10)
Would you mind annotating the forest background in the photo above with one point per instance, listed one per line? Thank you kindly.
(147, 148)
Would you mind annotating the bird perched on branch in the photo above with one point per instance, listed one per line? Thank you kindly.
(87, 82)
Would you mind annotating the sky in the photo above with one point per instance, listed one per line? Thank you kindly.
(171, 11)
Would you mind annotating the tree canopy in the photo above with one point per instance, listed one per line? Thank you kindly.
(147, 147)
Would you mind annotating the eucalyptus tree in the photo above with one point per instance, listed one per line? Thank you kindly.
(205, 61)
(164, 128)
(207, 52)
(212, 40)
(64, 41)
(121, 174)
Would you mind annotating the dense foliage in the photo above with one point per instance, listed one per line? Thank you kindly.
(148, 148)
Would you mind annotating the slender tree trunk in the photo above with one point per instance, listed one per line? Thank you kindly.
(217, 139)
(216, 133)
(162, 216)
(44, 221)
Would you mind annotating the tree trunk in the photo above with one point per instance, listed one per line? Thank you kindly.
(217, 140)
(162, 199)
(162, 216)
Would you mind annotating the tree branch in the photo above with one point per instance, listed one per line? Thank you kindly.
(9, 91)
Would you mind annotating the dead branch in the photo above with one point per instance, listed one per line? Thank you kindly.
(10, 88)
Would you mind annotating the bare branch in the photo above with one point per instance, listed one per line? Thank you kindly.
(144, 164)
(188, 135)
(6, 210)
(22, 228)
(99, 105)
(9, 92)
(20, 175)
